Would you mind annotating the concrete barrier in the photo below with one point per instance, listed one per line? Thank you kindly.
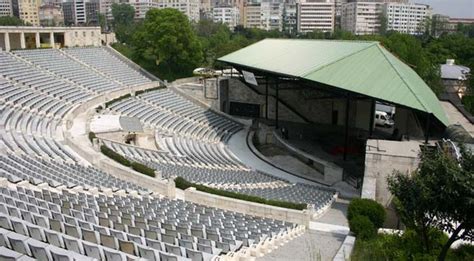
(249, 208)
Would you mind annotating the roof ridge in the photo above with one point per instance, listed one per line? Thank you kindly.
(379, 47)
(337, 60)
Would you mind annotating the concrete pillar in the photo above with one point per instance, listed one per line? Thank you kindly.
(51, 39)
(7, 42)
(22, 40)
(37, 39)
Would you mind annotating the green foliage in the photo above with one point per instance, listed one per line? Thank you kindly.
(126, 96)
(91, 136)
(124, 25)
(362, 227)
(11, 21)
(115, 156)
(149, 90)
(438, 195)
(167, 38)
(143, 169)
(468, 102)
(369, 208)
(181, 183)
(124, 161)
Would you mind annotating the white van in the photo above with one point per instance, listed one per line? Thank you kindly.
(383, 119)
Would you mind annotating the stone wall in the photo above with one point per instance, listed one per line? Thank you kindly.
(382, 158)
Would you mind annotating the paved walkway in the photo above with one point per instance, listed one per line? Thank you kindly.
(311, 246)
(337, 214)
(456, 117)
(238, 145)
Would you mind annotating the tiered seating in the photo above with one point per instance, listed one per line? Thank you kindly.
(176, 116)
(57, 173)
(233, 179)
(58, 63)
(105, 62)
(35, 78)
(48, 223)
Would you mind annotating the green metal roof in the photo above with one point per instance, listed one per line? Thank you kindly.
(361, 67)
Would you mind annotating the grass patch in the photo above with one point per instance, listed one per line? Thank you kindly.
(124, 161)
(181, 183)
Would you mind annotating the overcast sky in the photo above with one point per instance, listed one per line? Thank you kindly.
(453, 8)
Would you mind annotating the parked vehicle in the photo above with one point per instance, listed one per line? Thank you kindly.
(383, 119)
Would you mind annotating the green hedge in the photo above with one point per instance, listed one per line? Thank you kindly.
(184, 184)
(149, 90)
(107, 104)
(362, 227)
(369, 208)
(115, 156)
(92, 136)
(124, 161)
(143, 169)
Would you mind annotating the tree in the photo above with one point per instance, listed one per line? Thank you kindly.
(383, 24)
(11, 21)
(440, 194)
(167, 35)
(123, 21)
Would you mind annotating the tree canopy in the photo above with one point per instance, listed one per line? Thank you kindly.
(123, 21)
(440, 194)
(168, 37)
(11, 21)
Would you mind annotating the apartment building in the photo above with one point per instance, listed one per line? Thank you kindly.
(28, 11)
(362, 17)
(406, 17)
(188, 7)
(228, 15)
(6, 8)
(316, 15)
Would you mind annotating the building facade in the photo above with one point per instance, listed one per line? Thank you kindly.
(188, 7)
(362, 17)
(51, 15)
(316, 15)
(29, 11)
(227, 15)
(252, 15)
(6, 8)
(407, 18)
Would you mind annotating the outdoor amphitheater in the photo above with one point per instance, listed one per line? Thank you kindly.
(101, 160)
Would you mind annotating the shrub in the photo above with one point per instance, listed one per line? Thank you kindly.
(143, 169)
(362, 227)
(149, 90)
(115, 156)
(107, 104)
(92, 136)
(369, 208)
(184, 184)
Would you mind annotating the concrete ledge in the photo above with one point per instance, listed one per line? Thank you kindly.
(345, 251)
(248, 208)
(369, 187)
(336, 229)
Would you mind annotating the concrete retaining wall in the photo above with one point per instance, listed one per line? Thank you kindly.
(248, 208)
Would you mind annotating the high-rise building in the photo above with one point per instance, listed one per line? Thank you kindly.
(81, 12)
(316, 15)
(6, 8)
(290, 17)
(362, 17)
(252, 15)
(28, 11)
(188, 7)
(228, 15)
(271, 15)
(406, 18)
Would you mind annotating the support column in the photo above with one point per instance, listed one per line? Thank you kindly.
(266, 97)
(346, 126)
(7, 41)
(276, 103)
(22, 40)
(37, 40)
(51, 39)
(427, 128)
(372, 116)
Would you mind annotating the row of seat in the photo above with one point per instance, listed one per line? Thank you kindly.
(56, 62)
(107, 63)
